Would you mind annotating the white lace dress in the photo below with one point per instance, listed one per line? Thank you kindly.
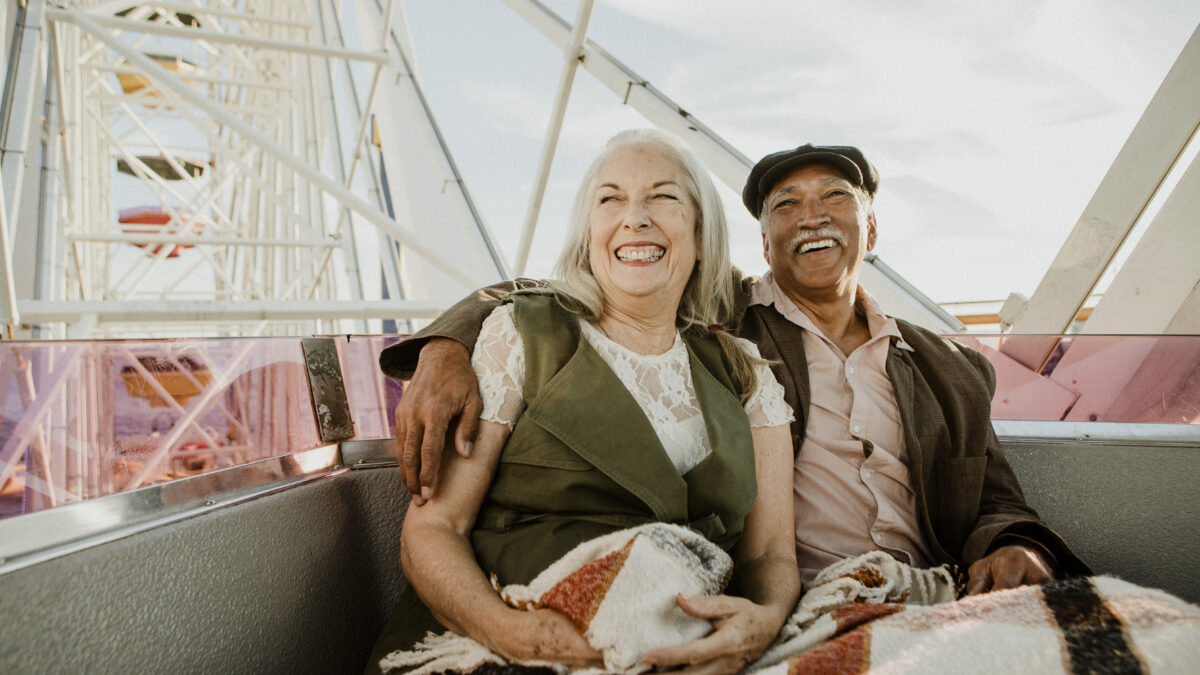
(660, 383)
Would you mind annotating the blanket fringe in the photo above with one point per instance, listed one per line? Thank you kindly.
(447, 653)
(873, 578)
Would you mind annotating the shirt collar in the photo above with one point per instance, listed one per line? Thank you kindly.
(767, 292)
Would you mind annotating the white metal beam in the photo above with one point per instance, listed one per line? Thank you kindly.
(1155, 144)
(48, 247)
(191, 77)
(571, 57)
(1187, 320)
(10, 314)
(22, 84)
(200, 240)
(725, 161)
(1161, 273)
(430, 199)
(115, 311)
(359, 146)
(239, 39)
(903, 300)
(270, 147)
(200, 11)
(330, 31)
(5, 21)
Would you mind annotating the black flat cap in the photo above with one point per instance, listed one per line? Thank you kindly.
(776, 165)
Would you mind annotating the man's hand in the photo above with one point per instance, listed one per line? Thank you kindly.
(443, 392)
(1008, 567)
(743, 631)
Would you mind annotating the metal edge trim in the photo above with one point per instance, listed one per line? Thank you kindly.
(1099, 433)
(37, 537)
(76, 527)
(369, 454)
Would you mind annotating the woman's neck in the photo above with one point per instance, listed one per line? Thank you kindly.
(641, 334)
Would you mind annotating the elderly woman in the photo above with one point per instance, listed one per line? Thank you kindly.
(613, 401)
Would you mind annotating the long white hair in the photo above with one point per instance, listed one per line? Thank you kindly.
(708, 296)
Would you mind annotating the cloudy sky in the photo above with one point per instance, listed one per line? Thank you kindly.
(991, 123)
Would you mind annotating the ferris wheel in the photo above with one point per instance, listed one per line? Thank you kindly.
(218, 168)
(264, 167)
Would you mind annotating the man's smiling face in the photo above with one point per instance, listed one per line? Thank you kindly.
(819, 226)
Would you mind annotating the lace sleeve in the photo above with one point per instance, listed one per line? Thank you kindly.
(766, 406)
(499, 363)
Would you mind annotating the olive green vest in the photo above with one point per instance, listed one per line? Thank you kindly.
(583, 460)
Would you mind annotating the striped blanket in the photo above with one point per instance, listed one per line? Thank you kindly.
(867, 614)
(1081, 625)
(619, 589)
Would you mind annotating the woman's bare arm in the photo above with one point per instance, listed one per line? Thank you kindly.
(439, 562)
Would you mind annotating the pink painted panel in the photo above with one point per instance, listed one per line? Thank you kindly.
(1098, 378)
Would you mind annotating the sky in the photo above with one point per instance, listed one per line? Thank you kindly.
(991, 123)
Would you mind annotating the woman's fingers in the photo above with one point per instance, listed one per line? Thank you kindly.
(716, 607)
(737, 640)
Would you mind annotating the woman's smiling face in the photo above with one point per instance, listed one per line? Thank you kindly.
(643, 227)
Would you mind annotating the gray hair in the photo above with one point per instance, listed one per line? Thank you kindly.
(708, 296)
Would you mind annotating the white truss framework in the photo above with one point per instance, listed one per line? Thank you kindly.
(258, 156)
(286, 154)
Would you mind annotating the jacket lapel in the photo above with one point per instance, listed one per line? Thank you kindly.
(900, 372)
(586, 406)
(900, 368)
(782, 341)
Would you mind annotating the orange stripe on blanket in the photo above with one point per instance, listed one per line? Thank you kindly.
(858, 613)
(579, 594)
(847, 655)
(867, 576)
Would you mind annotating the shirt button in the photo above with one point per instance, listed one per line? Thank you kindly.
(867, 473)
(878, 538)
(856, 428)
(850, 370)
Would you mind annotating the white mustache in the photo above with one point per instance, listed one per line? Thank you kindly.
(825, 232)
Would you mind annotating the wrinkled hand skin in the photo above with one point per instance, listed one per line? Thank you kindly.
(442, 396)
(543, 635)
(1008, 567)
(742, 631)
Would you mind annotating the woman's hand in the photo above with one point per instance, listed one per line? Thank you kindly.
(743, 631)
(542, 635)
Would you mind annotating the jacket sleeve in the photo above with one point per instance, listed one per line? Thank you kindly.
(460, 323)
(1004, 517)
(742, 287)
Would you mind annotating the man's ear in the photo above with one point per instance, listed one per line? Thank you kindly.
(871, 232)
(766, 248)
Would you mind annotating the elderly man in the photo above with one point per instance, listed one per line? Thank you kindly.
(894, 445)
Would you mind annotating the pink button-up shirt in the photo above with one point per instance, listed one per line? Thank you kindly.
(851, 483)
